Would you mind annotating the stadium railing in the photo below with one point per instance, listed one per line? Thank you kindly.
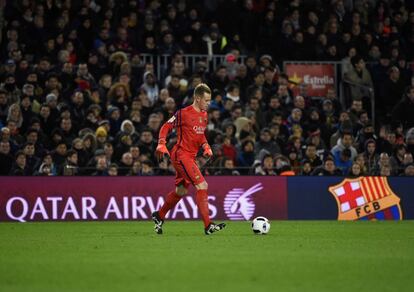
(211, 169)
(163, 62)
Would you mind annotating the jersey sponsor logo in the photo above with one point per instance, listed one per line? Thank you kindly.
(199, 129)
(239, 204)
(366, 198)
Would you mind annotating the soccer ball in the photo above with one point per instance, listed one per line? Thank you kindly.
(260, 225)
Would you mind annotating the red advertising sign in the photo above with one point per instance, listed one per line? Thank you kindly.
(317, 78)
(26, 199)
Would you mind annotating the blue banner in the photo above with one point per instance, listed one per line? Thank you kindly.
(364, 198)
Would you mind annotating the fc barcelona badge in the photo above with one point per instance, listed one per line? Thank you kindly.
(366, 198)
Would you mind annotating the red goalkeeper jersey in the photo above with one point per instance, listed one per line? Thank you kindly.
(190, 126)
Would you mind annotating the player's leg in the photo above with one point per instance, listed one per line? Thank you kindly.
(202, 204)
(193, 174)
(171, 199)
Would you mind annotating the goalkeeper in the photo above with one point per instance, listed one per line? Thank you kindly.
(190, 124)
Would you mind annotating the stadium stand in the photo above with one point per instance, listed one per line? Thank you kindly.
(86, 85)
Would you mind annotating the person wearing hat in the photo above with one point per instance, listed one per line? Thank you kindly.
(266, 61)
(151, 87)
(101, 136)
(105, 123)
(115, 120)
(9, 68)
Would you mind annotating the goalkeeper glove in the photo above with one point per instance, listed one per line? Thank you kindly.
(207, 153)
(161, 150)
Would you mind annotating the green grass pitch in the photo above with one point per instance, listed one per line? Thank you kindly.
(128, 256)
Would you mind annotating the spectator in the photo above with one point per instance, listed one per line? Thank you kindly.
(245, 158)
(19, 167)
(6, 159)
(391, 91)
(355, 170)
(343, 161)
(58, 87)
(147, 168)
(31, 160)
(404, 110)
(101, 167)
(113, 169)
(397, 158)
(310, 155)
(266, 143)
(359, 79)
(306, 168)
(125, 164)
(409, 170)
(370, 155)
(266, 166)
(70, 167)
(227, 167)
(345, 142)
(327, 169)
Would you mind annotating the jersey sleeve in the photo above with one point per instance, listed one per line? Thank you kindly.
(168, 126)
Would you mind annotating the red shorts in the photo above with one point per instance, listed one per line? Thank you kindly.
(187, 171)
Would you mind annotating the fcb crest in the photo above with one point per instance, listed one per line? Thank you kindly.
(366, 198)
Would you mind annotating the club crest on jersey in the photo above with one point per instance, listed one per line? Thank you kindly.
(366, 198)
(199, 129)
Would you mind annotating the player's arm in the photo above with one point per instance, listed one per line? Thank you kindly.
(162, 137)
(207, 152)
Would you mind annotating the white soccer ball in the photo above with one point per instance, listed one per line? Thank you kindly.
(260, 225)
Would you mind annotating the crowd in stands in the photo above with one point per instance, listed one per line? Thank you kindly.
(78, 98)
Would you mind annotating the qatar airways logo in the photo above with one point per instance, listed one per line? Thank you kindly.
(19, 208)
(239, 204)
(199, 129)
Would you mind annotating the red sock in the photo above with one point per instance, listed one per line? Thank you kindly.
(202, 204)
(170, 201)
